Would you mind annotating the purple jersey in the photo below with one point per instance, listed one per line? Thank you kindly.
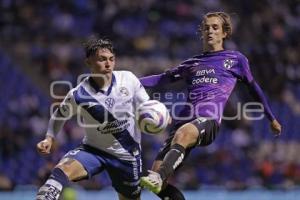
(210, 79)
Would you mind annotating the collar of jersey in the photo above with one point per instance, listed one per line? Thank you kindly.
(96, 87)
(213, 52)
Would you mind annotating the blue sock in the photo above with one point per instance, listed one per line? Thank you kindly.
(58, 175)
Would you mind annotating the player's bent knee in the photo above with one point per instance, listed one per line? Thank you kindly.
(73, 169)
(186, 136)
(207, 129)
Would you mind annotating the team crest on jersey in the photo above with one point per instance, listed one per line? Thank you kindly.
(124, 91)
(109, 102)
(228, 63)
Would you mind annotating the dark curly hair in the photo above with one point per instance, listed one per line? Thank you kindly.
(93, 44)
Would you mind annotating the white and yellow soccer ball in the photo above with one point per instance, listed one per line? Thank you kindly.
(152, 117)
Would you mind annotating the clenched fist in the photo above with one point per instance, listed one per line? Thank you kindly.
(44, 146)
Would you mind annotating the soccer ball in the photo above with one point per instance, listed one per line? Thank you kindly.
(152, 117)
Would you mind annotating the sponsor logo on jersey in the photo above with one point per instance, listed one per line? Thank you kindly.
(109, 102)
(205, 76)
(116, 126)
(129, 101)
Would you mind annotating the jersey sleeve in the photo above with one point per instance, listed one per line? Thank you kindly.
(243, 71)
(176, 73)
(140, 94)
(64, 112)
(259, 96)
(245, 75)
(171, 75)
(68, 106)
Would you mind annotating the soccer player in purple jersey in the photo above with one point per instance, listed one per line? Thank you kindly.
(210, 78)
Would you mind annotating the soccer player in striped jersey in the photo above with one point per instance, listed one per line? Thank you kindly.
(210, 78)
(106, 100)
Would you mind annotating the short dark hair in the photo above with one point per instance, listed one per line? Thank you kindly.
(93, 44)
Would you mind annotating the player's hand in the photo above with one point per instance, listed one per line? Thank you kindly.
(44, 146)
(276, 127)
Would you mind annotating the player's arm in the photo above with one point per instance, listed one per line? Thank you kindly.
(169, 76)
(259, 96)
(140, 94)
(257, 93)
(64, 112)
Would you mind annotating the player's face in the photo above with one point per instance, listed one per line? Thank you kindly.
(103, 62)
(212, 32)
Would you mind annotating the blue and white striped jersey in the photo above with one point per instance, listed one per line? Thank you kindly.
(107, 116)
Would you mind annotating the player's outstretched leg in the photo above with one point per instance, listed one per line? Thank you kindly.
(186, 136)
(172, 160)
(52, 188)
